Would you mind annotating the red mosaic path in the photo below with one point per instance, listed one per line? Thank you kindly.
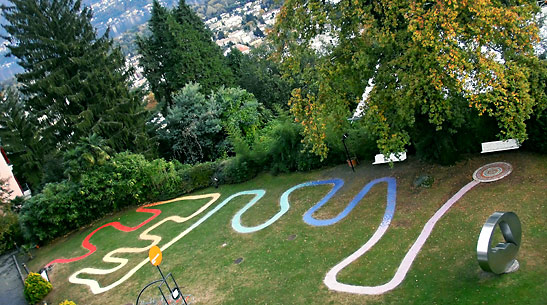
(118, 226)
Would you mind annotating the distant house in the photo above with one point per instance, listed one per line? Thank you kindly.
(6, 174)
(243, 48)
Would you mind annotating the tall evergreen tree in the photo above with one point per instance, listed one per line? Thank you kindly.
(74, 79)
(21, 137)
(181, 50)
(155, 55)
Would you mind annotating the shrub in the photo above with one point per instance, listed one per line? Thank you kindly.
(130, 179)
(281, 144)
(10, 231)
(54, 212)
(361, 143)
(239, 112)
(306, 161)
(236, 170)
(124, 180)
(163, 178)
(36, 288)
(67, 302)
(424, 181)
(537, 133)
(16, 203)
(448, 145)
(197, 176)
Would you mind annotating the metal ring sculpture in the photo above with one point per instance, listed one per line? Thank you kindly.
(501, 257)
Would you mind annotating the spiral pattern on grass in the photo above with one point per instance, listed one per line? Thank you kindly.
(492, 172)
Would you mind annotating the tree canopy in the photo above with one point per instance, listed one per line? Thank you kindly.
(259, 75)
(438, 61)
(192, 127)
(198, 129)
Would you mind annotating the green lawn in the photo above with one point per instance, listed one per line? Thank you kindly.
(276, 270)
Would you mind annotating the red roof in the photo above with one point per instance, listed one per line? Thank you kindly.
(242, 48)
(4, 155)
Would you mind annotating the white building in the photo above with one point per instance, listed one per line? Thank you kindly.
(6, 175)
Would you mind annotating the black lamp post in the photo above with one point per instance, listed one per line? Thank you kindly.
(344, 137)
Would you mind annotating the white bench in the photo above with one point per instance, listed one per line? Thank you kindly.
(499, 146)
(380, 158)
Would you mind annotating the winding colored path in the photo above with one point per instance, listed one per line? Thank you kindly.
(236, 224)
(338, 183)
(487, 173)
(94, 285)
(236, 221)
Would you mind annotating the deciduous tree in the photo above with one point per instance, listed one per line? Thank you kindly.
(239, 112)
(441, 60)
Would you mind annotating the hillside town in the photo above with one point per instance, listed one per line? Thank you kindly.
(244, 28)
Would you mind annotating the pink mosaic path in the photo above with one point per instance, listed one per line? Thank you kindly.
(487, 173)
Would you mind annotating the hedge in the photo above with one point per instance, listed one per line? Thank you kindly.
(125, 180)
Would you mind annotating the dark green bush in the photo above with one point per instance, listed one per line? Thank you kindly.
(36, 288)
(439, 147)
(124, 180)
(10, 231)
(448, 145)
(236, 170)
(164, 179)
(197, 176)
(424, 181)
(281, 145)
(54, 212)
(537, 133)
(360, 143)
(278, 149)
(16, 203)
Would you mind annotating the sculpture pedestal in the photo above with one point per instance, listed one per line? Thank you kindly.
(514, 267)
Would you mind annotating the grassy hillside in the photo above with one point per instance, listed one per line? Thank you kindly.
(277, 269)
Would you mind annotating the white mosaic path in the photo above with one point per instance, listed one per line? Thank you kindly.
(110, 258)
